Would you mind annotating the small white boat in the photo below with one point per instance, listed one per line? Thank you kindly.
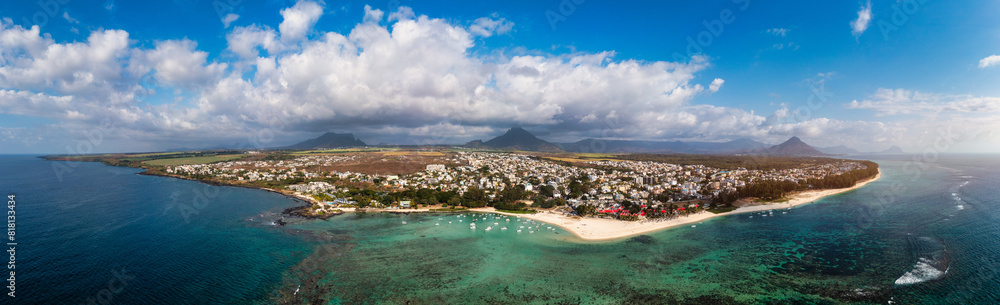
(437, 224)
(489, 228)
(693, 226)
(518, 231)
(404, 222)
(504, 228)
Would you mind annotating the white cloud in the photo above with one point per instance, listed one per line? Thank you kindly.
(226, 21)
(403, 13)
(716, 85)
(177, 63)
(901, 101)
(69, 19)
(411, 77)
(778, 31)
(298, 20)
(989, 61)
(486, 27)
(373, 15)
(245, 41)
(860, 25)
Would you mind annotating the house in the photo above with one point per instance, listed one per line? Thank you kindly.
(404, 203)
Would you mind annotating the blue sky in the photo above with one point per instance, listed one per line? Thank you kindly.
(153, 75)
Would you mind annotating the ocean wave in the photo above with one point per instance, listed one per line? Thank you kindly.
(922, 272)
(932, 261)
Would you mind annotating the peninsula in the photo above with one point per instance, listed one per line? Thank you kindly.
(594, 196)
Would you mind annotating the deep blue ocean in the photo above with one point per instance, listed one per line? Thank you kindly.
(926, 233)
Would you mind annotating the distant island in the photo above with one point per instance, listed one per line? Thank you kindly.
(608, 193)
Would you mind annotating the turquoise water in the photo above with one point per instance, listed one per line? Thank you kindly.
(925, 236)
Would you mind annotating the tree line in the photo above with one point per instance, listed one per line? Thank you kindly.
(777, 189)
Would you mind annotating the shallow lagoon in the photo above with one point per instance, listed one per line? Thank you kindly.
(847, 248)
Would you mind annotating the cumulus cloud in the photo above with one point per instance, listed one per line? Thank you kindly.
(989, 61)
(178, 63)
(716, 85)
(247, 41)
(860, 25)
(406, 79)
(404, 13)
(298, 20)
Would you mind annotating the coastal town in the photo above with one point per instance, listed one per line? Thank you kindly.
(623, 189)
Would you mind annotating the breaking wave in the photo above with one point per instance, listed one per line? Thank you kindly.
(922, 272)
(932, 261)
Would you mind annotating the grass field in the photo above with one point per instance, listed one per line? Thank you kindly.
(153, 154)
(339, 150)
(418, 153)
(192, 160)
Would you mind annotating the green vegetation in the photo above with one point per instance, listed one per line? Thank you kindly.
(339, 150)
(156, 160)
(720, 210)
(192, 160)
(772, 190)
(758, 162)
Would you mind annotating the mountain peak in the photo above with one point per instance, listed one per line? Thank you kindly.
(518, 131)
(793, 147)
(517, 138)
(329, 140)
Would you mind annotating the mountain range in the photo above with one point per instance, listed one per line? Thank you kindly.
(636, 146)
(518, 138)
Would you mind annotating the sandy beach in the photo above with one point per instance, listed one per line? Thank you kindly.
(597, 229)
(588, 228)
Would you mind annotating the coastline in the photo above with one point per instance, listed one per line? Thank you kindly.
(585, 228)
(600, 229)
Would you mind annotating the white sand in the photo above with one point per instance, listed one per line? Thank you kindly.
(589, 228)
